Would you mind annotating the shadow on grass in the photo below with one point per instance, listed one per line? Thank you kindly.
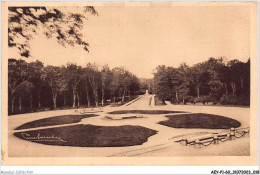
(89, 136)
(145, 112)
(57, 120)
(200, 120)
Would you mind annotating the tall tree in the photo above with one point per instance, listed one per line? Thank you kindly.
(93, 76)
(196, 73)
(233, 73)
(53, 77)
(85, 79)
(23, 92)
(216, 82)
(182, 83)
(106, 77)
(18, 75)
(73, 75)
(163, 82)
(35, 69)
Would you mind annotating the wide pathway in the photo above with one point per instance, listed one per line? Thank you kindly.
(156, 145)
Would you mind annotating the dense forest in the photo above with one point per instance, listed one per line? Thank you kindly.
(34, 87)
(211, 81)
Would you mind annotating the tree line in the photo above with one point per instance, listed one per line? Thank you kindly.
(33, 86)
(213, 80)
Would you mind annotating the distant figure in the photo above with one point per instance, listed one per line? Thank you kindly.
(146, 92)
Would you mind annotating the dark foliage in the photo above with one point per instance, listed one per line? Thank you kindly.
(210, 81)
(29, 19)
(158, 101)
(231, 99)
(200, 120)
(34, 87)
(58, 120)
(91, 136)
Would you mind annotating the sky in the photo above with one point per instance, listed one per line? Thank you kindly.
(143, 37)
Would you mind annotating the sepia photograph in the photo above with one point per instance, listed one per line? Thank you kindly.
(129, 83)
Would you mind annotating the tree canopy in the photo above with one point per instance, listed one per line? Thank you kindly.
(67, 86)
(209, 81)
(58, 22)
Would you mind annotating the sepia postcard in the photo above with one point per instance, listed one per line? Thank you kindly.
(129, 83)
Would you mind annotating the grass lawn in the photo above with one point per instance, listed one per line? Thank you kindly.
(57, 120)
(144, 112)
(200, 120)
(89, 135)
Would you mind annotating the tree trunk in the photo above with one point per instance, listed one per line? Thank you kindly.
(242, 83)
(87, 94)
(78, 99)
(102, 98)
(119, 94)
(39, 98)
(96, 101)
(123, 97)
(198, 91)
(226, 88)
(54, 97)
(74, 100)
(31, 101)
(54, 101)
(114, 101)
(74, 92)
(39, 103)
(177, 99)
(233, 86)
(102, 91)
(96, 97)
(12, 101)
(94, 87)
(64, 100)
(20, 103)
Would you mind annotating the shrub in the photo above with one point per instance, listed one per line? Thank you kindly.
(230, 99)
(189, 99)
(158, 101)
(202, 99)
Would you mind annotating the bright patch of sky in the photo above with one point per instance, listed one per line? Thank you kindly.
(143, 37)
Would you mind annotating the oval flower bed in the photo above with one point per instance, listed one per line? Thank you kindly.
(200, 120)
(89, 135)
